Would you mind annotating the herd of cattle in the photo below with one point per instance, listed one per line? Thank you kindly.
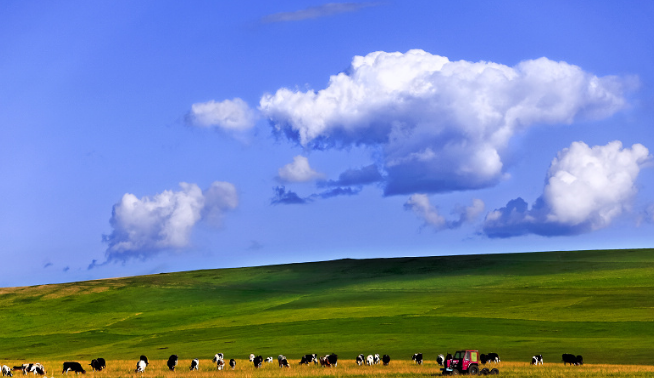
(329, 360)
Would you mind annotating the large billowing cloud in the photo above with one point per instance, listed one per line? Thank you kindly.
(298, 171)
(420, 205)
(440, 125)
(586, 188)
(228, 115)
(145, 226)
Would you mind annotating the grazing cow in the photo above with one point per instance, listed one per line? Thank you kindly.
(73, 366)
(144, 359)
(386, 359)
(35, 368)
(251, 357)
(572, 359)
(482, 358)
(377, 359)
(98, 364)
(537, 360)
(172, 362)
(370, 360)
(268, 360)
(140, 366)
(232, 363)
(282, 361)
(360, 359)
(333, 359)
(195, 364)
(493, 357)
(440, 359)
(218, 358)
(308, 358)
(257, 361)
(417, 358)
(6, 371)
(324, 361)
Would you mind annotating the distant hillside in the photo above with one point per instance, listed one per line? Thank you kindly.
(596, 303)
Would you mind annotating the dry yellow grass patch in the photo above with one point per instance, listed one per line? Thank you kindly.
(345, 368)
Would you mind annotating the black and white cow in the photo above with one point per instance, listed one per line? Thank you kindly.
(257, 361)
(140, 366)
(98, 364)
(252, 357)
(6, 371)
(360, 358)
(370, 360)
(333, 359)
(283, 362)
(268, 360)
(440, 359)
(417, 358)
(219, 359)
(537, 359)
(377, 359)
(492, 357)
(309, 358)
(73, 366)
(386, 359)
(232, 363)
(35, 368)
(195, 364)
(172, 362)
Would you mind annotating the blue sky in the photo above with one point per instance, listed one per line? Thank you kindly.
(146, 137)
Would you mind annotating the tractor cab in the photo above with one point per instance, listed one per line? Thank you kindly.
(463, 362)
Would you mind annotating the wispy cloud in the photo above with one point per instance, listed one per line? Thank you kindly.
(324, 10)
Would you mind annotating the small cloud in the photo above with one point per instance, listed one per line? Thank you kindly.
(228, 115)
(143, 227)
(284, 197)
(347, 191)
(254, 246)
(316, 12)
(586, 188)
(421, 207)
(362, 176)
(66, 269)
(47, 265)
(298, 171)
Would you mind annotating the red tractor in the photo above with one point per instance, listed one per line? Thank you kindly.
(465, 362)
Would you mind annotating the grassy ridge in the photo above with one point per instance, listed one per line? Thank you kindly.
(595, 303)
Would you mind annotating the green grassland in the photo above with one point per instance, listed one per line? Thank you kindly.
(596, 303)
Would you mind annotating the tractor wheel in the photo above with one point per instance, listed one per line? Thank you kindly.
(473, 370)
(484, 371)
(494, 372)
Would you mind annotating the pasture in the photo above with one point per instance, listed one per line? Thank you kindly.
(244, 368)
(595, 303)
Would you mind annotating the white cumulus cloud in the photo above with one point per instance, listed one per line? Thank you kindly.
(298, 171)
(586, 188)
(148, 225)
(442, 125)
(423, 209)
(228, 115)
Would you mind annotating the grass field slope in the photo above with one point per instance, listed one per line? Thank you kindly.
(599, 304)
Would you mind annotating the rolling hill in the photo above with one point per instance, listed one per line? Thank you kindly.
(595, 303)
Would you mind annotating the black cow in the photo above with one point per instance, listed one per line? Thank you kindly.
(258, 360)
(232, 363)
(333, 359)
(482, 358)
(195, 364)
(417, 358)
(172, 362)
(572, 359)
(73, 366)
(537, 359)
(360, 359)
(98, 364)
(386, 359)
